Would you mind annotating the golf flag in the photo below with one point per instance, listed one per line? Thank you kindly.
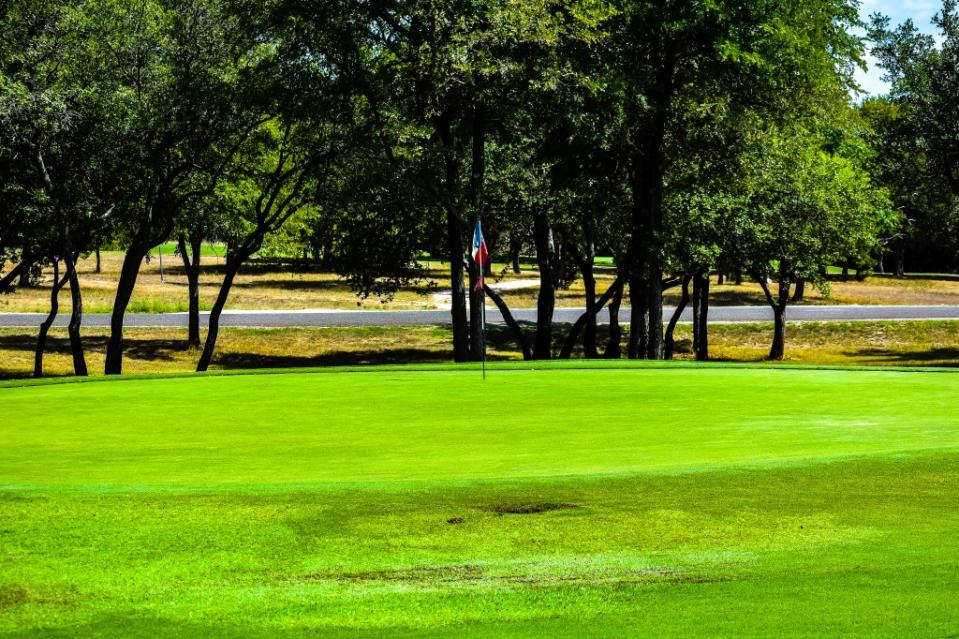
(480, 254)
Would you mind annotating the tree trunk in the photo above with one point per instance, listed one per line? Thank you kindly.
(128, 279)
(6, 282)
(477, 178)
(29, 274)
(192, 268)
(901, 259)
(615, 289)
(697, 309)
(461, 344)
(639, 319)
(546, 300)
(647, 179)
(701, 284)
(683, 303)
(511, 322)
(232, 267)
(97, 269)
(58, 285)
(76, 316)
(515, 246)
(589, 283)
(654, 295)
(845, 273)
(614, 346)
(454, 241)
(778, 349)
(799, 294)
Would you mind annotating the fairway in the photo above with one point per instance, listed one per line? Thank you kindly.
(564, 500)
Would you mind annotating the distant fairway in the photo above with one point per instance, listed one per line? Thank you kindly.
(606, 500)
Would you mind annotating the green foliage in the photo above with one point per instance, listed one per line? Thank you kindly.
(674, 136)
(917, 130)
(803, 207)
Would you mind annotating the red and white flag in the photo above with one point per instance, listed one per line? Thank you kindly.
(480, 254)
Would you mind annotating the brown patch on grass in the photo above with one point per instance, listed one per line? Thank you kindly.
(530, 509)
(473, 574)
(431, 574)
(12, 595)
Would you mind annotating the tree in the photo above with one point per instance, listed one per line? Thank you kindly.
(917, 128)
(662, 59)
(923, 75)
(199, 221)
(453, 72)
(50, 152)
(928, 234)
(801, 207)
(170, 74)
(302, 87)
(280, 168)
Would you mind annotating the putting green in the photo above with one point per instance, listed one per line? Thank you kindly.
(562, 501)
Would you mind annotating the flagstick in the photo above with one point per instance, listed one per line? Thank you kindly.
(480, 258)
(483, 326)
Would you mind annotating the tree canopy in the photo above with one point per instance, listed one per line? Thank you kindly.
(679, 138)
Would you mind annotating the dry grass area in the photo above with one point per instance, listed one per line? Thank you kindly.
(261, 286)
(877, 290)
(919, 343)
(164, 350)
(908, 343)
(256, 287)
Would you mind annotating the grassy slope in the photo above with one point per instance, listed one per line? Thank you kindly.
(700, 501)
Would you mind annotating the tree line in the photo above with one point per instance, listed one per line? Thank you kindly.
(682, 138)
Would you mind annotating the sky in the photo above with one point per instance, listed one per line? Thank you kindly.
(921, 12)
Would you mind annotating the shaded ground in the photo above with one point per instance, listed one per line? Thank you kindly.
(912, 343)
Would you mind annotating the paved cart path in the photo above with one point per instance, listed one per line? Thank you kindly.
(305, 318)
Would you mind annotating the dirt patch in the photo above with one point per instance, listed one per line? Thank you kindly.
(424, 574)
(13, 595)
(531, 509)
(475, 575)
(455, 520)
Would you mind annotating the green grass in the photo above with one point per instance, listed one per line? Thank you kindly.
(207, 249)
(585, 501)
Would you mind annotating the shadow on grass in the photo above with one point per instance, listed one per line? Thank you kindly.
(142, 349)
(743, 296)
(139, 625)
(340, 358)
(932, 356)
(295, 284)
